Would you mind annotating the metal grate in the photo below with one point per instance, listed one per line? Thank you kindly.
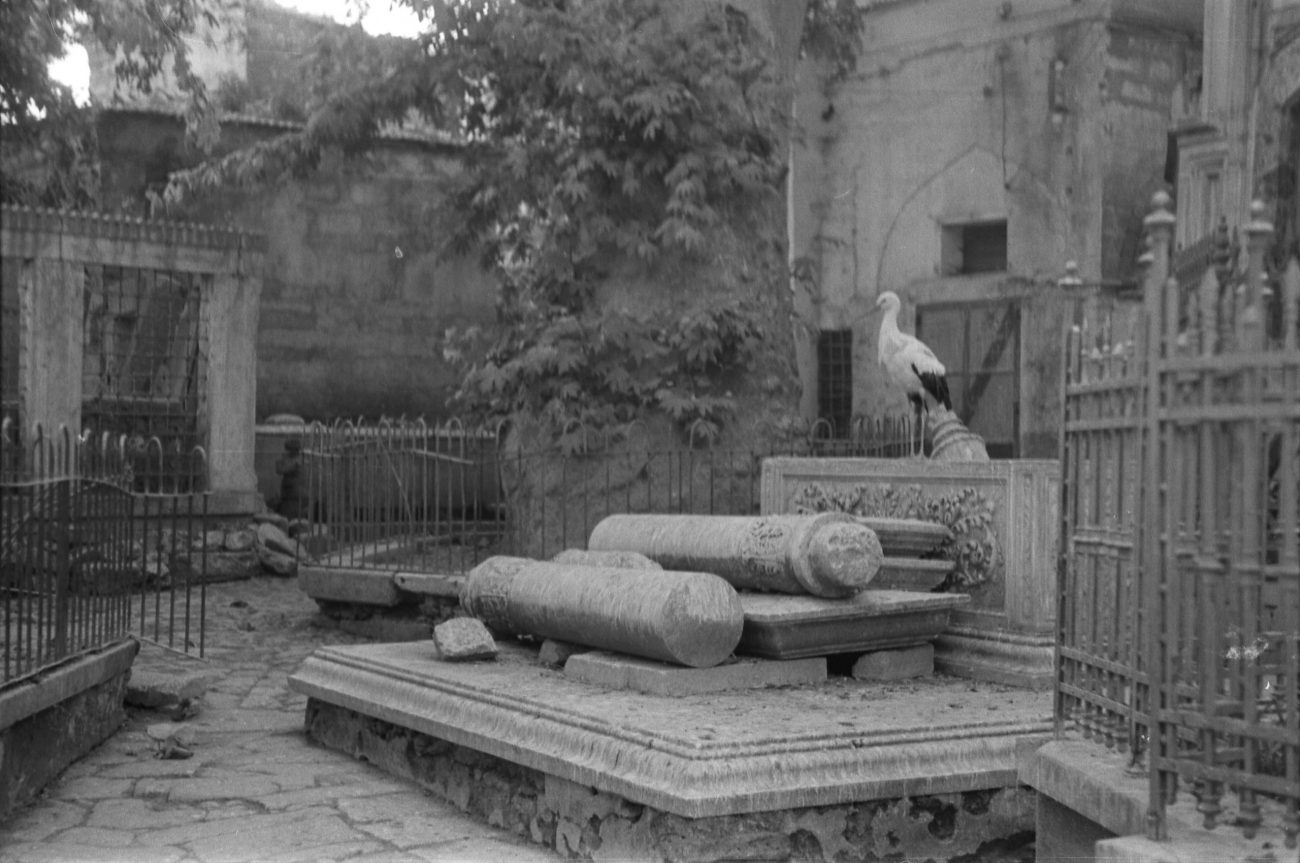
(1180, 596)
(835, 381)
(85, 562)
(401, 494)
(145, 366)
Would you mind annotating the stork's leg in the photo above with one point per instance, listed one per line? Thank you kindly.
(917, 406)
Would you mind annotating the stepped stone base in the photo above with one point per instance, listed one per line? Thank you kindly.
(585, 823)
(694, 756)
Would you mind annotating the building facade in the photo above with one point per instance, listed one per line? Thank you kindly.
(977, 146)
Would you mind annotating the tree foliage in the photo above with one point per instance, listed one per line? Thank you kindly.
(596, 134)
(50, 157)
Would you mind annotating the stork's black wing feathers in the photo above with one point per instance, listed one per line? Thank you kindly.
(935, 385)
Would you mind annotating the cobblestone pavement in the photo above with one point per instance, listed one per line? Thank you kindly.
(255, 789)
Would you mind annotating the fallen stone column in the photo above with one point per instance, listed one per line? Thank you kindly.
(829, 554)
(690, 618)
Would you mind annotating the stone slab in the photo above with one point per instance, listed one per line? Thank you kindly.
(617, 671)
(695, 756)
(911, 573)
(154, 688)
(902, 664)
(794, 627)
(22, 699)
(996, 655)
(349, 584)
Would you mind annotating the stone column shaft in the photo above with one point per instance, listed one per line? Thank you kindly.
(689, 618)
(829, 554)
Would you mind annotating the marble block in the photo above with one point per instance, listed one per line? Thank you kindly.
(792, 627)
(618, 671)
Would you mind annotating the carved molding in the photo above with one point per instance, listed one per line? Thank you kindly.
(967, 512)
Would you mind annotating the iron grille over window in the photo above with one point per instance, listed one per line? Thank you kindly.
(835, 380)
(145, 365)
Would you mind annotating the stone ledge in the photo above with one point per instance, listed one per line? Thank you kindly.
(721, 754)
(1013, 658)
(1088, 779)
(28, 696)
(1092, 781)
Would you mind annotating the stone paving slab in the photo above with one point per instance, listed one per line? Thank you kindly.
(256, 789)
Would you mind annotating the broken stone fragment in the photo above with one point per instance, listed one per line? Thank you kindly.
(463, 639)
(239, 540)
(555, 652)
(277, 562)
(171, 741)
(273, 538)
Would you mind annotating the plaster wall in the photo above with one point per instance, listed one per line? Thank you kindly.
(356, 300)
(1149, 85)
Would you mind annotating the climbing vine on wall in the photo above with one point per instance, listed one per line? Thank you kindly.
(967, 513)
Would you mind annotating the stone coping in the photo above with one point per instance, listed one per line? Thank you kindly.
(1094, 782)
(697, 756)
(28, 696)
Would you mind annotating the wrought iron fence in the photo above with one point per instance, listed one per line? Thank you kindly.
(85, 560)
(401, 494)
(1180, 593)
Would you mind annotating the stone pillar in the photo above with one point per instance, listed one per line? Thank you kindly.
(230, 322)
(829, 554)
(689, 618)
(52, 298)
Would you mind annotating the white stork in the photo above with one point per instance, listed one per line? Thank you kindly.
(910, 365)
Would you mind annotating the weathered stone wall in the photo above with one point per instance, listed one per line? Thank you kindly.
(585, 824)
(355, 300)
(972, 111)
(1148, 85)
(36, 749)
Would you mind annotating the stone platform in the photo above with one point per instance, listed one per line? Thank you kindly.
(620, 671)
(695, 756)
(792, 627)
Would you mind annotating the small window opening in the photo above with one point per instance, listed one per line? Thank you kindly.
(835, 380)
(979, 247)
